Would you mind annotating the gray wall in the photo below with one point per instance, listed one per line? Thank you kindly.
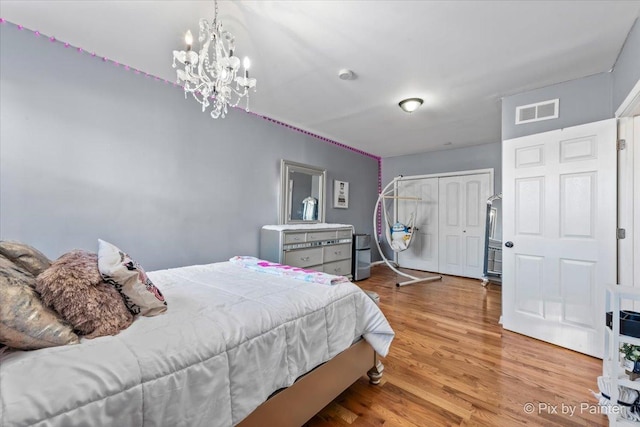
(582, 101)
(477, 157)
(89, 150)
(626, 72)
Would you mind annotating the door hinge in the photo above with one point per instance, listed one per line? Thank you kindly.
(622, 144)
(621, 233)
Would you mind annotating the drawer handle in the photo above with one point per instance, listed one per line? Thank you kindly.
(337, 270)
(337, 252)
(305, 258)
(296, 239)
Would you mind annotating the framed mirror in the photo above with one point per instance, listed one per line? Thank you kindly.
(302, 193)
(494, 218)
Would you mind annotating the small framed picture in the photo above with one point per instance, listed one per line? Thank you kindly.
(340, 194)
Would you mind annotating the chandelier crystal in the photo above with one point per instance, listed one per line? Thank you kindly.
(211, 74)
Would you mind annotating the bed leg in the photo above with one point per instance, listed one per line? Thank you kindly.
(375, 373)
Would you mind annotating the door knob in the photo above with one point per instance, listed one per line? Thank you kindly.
(509, 244)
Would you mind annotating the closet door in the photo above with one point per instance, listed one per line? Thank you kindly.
(423, 252)
(462, 215)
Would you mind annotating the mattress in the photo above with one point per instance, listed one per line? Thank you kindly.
(231, 338)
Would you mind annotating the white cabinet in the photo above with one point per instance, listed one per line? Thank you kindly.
(618, 296)
(320, 247)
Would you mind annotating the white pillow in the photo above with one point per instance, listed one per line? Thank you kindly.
(117, 268)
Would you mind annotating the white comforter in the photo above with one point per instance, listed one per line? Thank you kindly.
(230, 338)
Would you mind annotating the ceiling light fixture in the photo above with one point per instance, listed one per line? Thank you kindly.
(410, 104)
(211, 72)
(346, 74)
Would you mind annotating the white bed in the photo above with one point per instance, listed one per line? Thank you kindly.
(230, 339)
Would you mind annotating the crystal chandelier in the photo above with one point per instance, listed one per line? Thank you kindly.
(211, 75)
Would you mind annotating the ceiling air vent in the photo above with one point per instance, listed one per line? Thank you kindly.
(544, 110)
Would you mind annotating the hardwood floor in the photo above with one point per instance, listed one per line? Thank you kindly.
(452, 364)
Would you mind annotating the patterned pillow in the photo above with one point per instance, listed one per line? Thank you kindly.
(25, 323)
(140, 294)
(73, 287)
(25, 257)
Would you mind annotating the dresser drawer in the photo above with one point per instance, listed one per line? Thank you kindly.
(343, 234)
(339, 268)
(336, 252)
(320, 235)
(303, 257)
(294, 237)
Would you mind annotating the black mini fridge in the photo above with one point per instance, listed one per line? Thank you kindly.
(361, 256)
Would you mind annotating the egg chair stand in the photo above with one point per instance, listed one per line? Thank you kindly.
(405, 230)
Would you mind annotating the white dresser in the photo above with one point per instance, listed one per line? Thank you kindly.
(320, 247)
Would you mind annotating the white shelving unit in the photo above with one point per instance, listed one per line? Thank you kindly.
(616, 294)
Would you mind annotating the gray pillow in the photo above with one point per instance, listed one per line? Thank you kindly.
(24, 256)
(25, 323)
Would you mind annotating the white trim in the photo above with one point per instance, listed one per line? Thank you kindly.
(633, 133)
(626, 202)
(630, 103)
(445, 174)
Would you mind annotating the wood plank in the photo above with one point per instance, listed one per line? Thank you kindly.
(452, 364)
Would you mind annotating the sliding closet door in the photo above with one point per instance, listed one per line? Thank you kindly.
(423, 252)
(462, 216)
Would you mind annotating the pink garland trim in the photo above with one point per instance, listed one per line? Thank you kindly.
(52, 39)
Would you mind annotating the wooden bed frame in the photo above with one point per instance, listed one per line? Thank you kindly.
(295, 405)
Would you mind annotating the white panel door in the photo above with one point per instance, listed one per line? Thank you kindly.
(462, 219)
(559, 229)
(450, 229)
(423, 252)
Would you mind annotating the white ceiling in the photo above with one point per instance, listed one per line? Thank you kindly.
(462, 57)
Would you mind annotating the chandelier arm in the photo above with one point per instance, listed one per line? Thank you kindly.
(204, 58)
(215, 13)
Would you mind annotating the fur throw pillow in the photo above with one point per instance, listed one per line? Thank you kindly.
(25, 323)
(24, 256)
(74, 288)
